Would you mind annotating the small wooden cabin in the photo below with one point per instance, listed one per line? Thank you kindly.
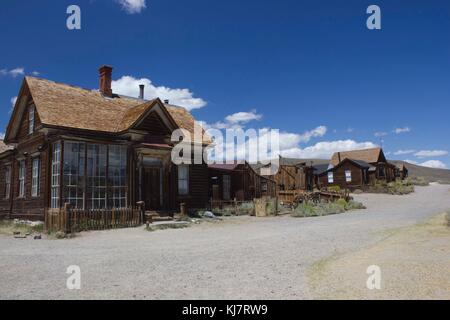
(348, 174)
(401, 171)
(94, 149)
(238, 181)
(293, 174)
(384, 171)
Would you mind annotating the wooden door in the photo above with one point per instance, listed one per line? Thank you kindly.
(152, 189)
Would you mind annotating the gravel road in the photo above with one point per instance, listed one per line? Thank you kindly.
(239, 258)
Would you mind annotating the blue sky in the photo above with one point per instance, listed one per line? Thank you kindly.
(309, 68)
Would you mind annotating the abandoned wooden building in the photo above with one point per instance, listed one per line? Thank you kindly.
(348, 174)
(384, 171)
(292, 174)
(401, 171)
(94, 149)
(238, 181)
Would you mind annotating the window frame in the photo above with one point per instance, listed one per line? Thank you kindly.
(8, 176)
(35, 176)
(55, 182)
(330, 176)
(22, 178)
(348, 175)
(185, 192)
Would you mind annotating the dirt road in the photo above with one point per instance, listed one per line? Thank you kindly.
(240, 258)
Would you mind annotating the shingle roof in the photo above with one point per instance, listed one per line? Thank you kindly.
(320, 168)
(69, 106)
(367, 155)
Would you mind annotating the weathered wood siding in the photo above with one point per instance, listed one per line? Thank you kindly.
(358, 179)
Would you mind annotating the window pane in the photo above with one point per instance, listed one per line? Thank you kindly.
(117, 176)
(56, 169)
(74, 157)
(183, 180)
(35, 178)
(330, 177)
(96, 175)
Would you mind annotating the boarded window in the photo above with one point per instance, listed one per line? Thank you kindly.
(226, 187)
(183, 180)
(117, 174)
(96, 176)
(330, 177)
(56, 170)
(31, 113)
(348, 176)
(35, 177)
(22, 179)
(7, 182)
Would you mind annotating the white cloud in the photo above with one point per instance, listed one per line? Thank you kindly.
(403, 152)
(325, 149)
(13, 103)
(380, 134)
(129, 86)
(315, 133)
(35, 73)
(431, 153)
(243, 117)
(402, 130)
(2, 136)
(13, 73)
(430, 164)
(132, 6)
(434, 164)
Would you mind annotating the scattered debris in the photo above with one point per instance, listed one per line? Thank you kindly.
(209, 214)
(38, 237)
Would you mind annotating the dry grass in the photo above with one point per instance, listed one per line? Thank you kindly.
(10, 227)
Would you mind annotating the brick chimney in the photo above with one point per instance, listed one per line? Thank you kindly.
(105, 80)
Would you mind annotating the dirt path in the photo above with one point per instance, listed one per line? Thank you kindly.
(414, 263)
(241, 258)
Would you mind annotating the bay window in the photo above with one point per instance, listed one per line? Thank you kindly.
(73, 173)
(117, 176)
(56, 173)
(94, 175)
(96, 172)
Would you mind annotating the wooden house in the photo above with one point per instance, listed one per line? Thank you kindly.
(384, 171)
(292, 174)
(238, 181)
(401, 171)
(348, 174)
(94, 149)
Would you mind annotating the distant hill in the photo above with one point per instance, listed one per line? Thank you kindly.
(431, 174)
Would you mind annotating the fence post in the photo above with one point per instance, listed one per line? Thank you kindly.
(141, 206)
(67, 217)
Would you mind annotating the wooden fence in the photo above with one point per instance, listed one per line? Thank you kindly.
(70, 220)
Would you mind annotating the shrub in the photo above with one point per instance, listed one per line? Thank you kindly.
(304, 210)
(419, 181)
(354, 205)
(334, 189)
(358, 191)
